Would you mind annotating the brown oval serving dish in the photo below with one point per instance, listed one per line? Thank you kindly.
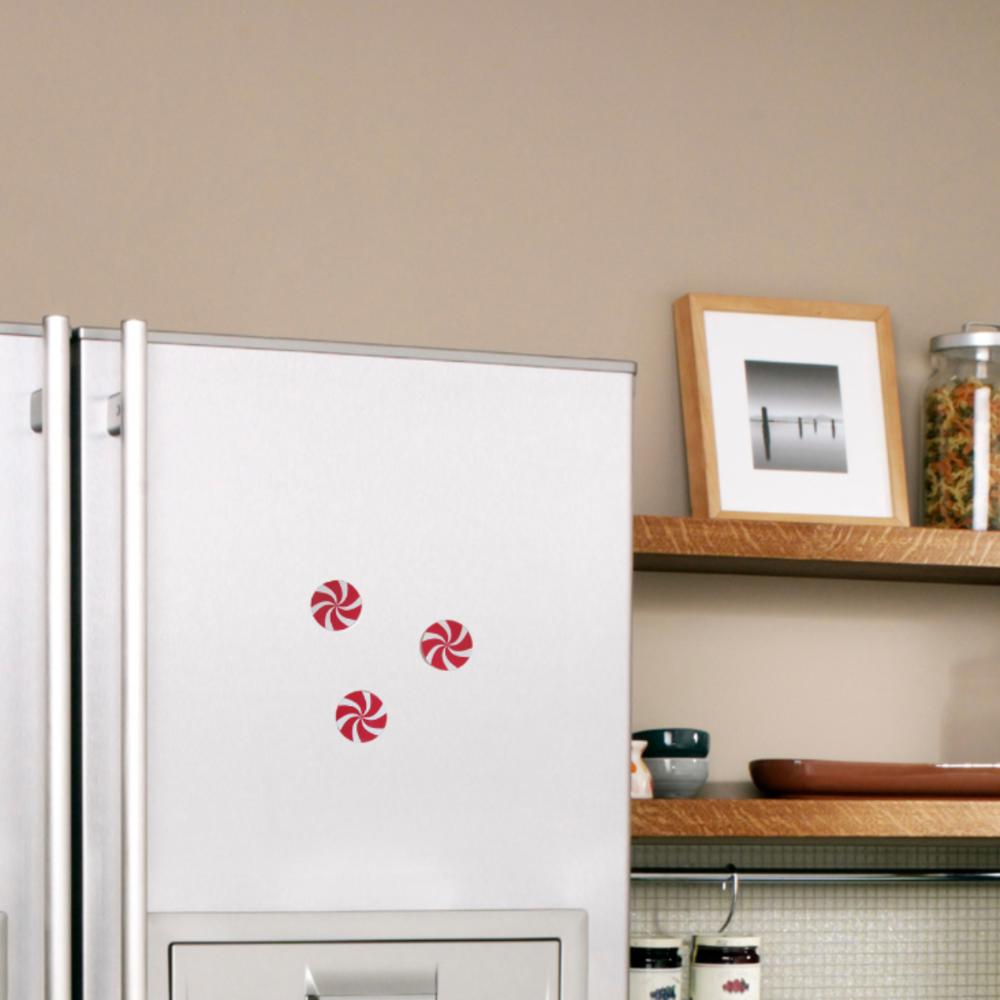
(809, 778)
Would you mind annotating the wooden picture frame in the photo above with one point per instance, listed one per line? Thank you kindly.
(828, 448)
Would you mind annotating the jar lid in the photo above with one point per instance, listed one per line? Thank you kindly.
(655, 942)
(969, 337)
(724, 941)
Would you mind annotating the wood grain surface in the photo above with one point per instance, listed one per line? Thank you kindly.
(786, 819)
(881, 552)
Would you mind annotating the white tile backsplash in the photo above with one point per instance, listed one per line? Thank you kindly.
(902, 941)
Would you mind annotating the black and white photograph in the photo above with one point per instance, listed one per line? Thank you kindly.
(791, 410)
(796, 417)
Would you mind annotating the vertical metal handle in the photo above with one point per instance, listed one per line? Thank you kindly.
(58, 672)
(134, 660)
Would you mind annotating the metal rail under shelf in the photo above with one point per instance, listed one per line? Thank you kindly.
(777, 876)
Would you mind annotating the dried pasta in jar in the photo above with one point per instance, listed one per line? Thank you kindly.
(961, 480)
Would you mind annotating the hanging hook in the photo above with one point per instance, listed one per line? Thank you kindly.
(734, 878)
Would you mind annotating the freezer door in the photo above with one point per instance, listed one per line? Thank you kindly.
(100, 598)
(23, 776)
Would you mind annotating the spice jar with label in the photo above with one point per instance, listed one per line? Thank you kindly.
(724, 967)
(961, 481)
(654, 969)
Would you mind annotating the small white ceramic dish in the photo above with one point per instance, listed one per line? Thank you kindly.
(677, 777)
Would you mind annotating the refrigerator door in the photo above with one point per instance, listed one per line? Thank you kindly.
(388, 633)
(35, 852)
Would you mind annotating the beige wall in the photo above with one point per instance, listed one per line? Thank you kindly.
(548, 176)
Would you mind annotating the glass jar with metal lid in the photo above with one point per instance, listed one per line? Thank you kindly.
(654, 969)
(725, 966)
(961, 431)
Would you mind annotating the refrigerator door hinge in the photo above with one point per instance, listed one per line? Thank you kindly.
(115, 415)
(36, 411)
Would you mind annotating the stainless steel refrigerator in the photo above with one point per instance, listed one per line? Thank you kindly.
(350, 634)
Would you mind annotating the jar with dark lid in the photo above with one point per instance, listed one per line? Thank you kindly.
(961, 431)
(654, 969)
(725, 967)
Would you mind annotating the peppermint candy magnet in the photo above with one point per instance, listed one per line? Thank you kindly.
(361, 716)
(336, 605)
(446, 645)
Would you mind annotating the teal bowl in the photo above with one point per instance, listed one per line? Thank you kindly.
(674, 742)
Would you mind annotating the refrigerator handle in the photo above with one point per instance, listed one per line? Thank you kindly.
(55, 419)
(133, 434)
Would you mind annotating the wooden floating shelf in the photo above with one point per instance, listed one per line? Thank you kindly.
(777, 548)
(792, 819)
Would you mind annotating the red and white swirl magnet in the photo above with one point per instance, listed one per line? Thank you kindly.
(361, 716)
(446, 645)
(336, 605)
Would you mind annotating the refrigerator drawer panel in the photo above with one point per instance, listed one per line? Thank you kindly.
(420, 955)
(425, 970)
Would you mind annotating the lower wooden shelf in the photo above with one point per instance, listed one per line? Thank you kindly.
(789, 819)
